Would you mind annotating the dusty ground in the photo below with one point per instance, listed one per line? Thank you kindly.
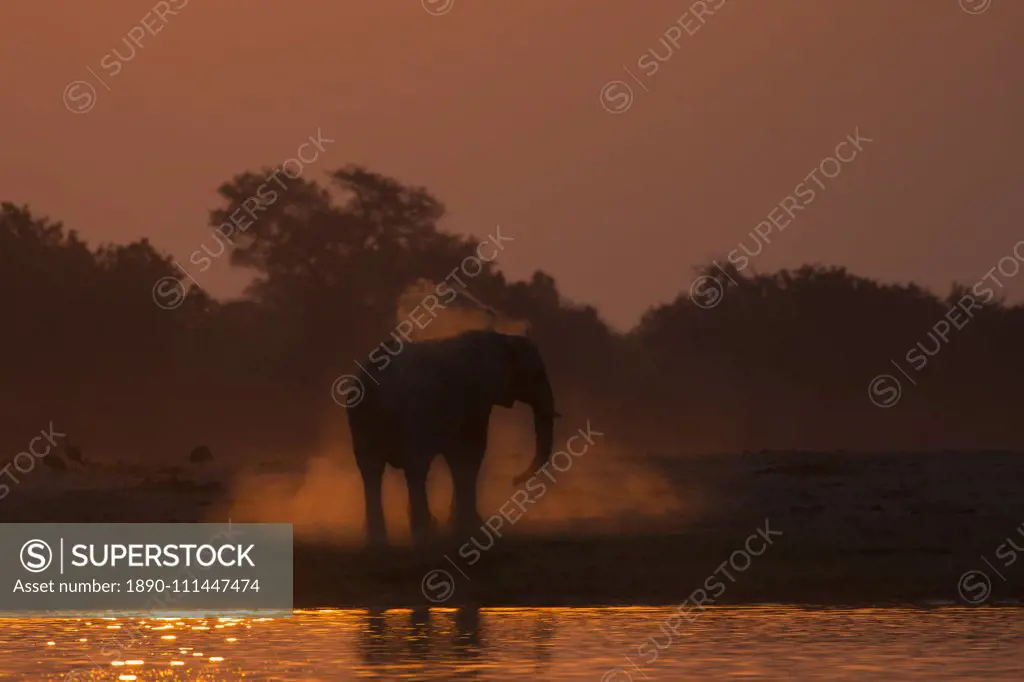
(855, 529)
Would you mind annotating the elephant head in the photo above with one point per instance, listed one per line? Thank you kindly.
(515, 372)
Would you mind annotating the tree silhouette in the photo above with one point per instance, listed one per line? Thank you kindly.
(782, 360)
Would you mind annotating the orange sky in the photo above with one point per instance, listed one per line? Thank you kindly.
(495, 107)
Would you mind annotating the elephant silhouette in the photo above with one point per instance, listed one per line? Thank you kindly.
(435, 398)
(421, 641)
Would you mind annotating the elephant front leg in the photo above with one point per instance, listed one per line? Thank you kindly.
(420, 521)
(376, 529)
(465, 470)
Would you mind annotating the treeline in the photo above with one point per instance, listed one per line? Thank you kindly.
(116, 346)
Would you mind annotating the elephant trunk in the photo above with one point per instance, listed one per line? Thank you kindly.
(544, 429)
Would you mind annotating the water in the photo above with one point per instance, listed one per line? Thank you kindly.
(600, 645)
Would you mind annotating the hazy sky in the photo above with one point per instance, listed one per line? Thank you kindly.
(496, 107)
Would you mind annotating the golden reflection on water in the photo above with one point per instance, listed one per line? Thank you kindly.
(606, 645)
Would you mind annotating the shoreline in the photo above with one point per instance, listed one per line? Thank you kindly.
(846, 531)
(592, 572)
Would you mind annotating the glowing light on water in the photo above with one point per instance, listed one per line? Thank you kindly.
(518, 639)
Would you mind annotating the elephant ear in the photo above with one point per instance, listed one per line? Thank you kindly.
(492, 362)
(512, 351)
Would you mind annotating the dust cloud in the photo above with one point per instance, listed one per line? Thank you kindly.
(604, 488)
(464, 313)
